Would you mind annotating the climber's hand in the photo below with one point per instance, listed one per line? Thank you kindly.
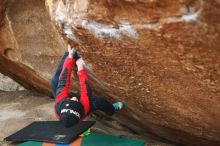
(71, 51)
(80, 64)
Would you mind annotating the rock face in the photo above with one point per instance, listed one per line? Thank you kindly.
(162, 58)
(29, 44)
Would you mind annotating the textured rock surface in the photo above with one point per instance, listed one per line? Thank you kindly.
(161, 57)
(29, 44)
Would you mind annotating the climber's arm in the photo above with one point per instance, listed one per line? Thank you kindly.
(64, 78)
(84, 86)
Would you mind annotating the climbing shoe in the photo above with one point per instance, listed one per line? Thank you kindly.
(118, 105)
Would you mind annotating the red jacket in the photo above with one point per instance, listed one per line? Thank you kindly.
(64, 84)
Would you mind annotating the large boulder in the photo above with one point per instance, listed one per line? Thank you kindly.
(30, 45)
(162, 58)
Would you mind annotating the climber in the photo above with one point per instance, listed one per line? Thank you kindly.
(70, 108)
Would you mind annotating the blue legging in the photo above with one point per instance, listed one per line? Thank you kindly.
(97, 103)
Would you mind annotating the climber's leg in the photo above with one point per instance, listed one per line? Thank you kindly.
(100, 103)
(55, 78)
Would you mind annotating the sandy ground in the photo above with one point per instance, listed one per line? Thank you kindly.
(7, 84)
(20, 108)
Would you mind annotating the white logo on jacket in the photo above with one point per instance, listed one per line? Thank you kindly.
(71, 112)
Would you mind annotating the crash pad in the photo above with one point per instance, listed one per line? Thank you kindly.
(50, 131)
(98, 139)
(94, 139)
(76, 142)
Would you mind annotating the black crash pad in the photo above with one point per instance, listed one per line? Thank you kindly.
(50, 131)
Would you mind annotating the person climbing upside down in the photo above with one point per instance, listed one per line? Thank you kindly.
(71, 108)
